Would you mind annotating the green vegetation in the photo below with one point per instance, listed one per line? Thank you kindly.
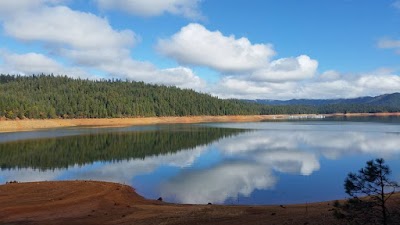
(372, 183)
(48, 96)
(52, 153)
(52, 97)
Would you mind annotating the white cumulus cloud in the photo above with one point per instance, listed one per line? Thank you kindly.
(83, 40)
(34, 63)
(329, 75)
(350, 86)
(143, 71)
(76, 34)
(287, 69)
(76, 43)
(195, 45)
(31, 63)
(10, 8)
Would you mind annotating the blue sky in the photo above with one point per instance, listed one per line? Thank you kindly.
(232, 49)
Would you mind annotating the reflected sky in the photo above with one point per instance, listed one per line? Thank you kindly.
(267, 163)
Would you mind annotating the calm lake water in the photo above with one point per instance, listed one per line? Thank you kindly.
(225, 163)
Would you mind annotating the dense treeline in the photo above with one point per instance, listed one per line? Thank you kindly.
(52, 153)
(48, 96)
(59, 96)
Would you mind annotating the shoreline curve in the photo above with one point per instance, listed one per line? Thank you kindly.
(37, 124)
(97, 202)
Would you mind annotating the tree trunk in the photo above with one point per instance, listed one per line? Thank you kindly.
(384, 216)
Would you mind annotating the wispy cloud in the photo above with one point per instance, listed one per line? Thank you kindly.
(149, 8)
(389, 43)
(396, 4)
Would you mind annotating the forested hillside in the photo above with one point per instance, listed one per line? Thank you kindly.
(48, 96)
(59, 96)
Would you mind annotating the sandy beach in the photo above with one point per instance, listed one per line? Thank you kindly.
(35, 124)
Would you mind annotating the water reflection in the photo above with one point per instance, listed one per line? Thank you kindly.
(283, 153)
(218, 183)
(201, 164)
(62, 152)
(122, 171)
(262, 155)
(127, 169)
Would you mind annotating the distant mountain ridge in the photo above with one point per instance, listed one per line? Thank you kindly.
(380, 100)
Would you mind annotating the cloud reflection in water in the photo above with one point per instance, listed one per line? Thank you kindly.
(246, 162)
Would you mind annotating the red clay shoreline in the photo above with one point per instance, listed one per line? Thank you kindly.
(35, 124)
(95, 202)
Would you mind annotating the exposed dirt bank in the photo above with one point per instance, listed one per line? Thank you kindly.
(34, 124)
(91, 202)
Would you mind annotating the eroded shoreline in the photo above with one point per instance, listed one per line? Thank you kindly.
(97, 202)
(36, 124)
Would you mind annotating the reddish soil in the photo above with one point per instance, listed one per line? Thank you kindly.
(35, 124)
(91, 202)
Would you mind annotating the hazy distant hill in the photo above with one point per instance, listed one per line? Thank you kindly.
(381, 100)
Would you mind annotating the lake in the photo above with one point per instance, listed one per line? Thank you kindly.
(223, 163)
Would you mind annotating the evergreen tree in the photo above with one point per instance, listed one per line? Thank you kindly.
(369, 191)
